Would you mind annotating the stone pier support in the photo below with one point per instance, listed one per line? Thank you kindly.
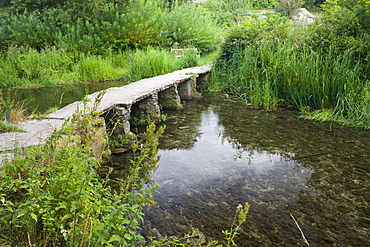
(146, 110)
(117, 121)
(201, 81)
(188, 89)
(170, 99)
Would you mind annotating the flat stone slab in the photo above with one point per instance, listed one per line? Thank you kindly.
(37, 130)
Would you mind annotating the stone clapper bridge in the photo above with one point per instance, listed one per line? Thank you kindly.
(146, 96)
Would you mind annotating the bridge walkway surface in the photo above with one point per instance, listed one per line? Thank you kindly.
(36, 131)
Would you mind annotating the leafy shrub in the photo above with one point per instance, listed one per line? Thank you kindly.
(189, 27)
(344, 26)
(263, 4)
(30, 30)
(288, 7)
(226, 12)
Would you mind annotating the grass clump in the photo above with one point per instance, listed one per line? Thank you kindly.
(10, 114)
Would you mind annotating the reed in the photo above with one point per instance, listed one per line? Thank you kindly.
(153, 61)
(26, 67)
(269, 74)
(94, 68)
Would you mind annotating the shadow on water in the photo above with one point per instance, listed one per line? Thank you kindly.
(217, 154)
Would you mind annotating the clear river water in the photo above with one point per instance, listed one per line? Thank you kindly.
(216, 154)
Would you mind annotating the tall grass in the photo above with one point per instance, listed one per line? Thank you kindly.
(270, 74)
(94, 68)
(153, 62)
(26, 67)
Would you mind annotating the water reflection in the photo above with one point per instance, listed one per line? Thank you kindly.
(226, 154)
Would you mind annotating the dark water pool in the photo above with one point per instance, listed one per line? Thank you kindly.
(41, 99)
(217, 154)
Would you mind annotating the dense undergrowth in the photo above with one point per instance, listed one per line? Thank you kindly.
(52, 195)
(50, 43)
(321, 69)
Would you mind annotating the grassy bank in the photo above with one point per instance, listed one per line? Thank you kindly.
(22, 67)
(268, 63)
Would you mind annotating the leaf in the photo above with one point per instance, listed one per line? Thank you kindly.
(34, 216)
(115, 238)
(128, 236)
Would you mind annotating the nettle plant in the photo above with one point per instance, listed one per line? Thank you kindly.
(52, 195)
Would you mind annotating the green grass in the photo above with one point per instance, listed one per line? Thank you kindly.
(5, 127)
(315, 82)
(28, 68)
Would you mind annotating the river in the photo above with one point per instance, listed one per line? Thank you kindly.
(217, 154)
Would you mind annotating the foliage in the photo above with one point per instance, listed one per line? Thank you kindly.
(153, 62)
(226, 12)
(96, 27)
(52, 195)
(253, 32)
(263, 4)
(190, 27)
(273, 28)
(5, 127)
(344, 25)
(196, 238)
(239, 219)
(93, 68)
(25, 67)
(5, 116)
(270, 69)
(29, 30)
(288, 7)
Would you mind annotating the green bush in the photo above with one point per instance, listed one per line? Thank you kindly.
(288, 7)
(344, 25)
(226, 12)
(29, 30)
(263, 4)
(190, 27)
